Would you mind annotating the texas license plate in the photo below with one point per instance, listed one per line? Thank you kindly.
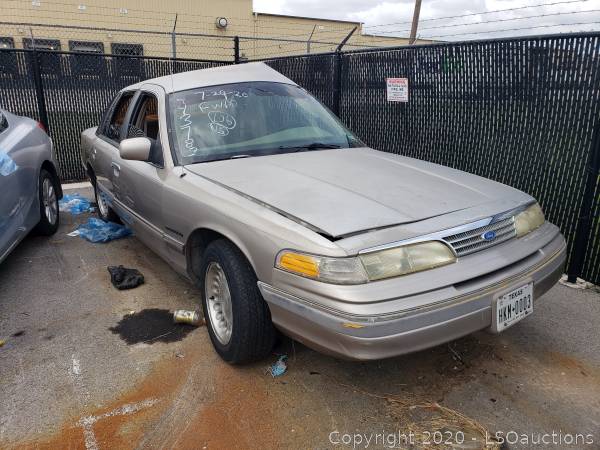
(514, 306)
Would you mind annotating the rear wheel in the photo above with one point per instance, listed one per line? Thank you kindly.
(105, 212)
(237, 317)
(48, 198)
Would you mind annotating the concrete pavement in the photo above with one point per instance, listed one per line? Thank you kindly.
(69, 378)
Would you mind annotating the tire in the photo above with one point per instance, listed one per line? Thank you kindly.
(48, 189)
(246, 332)
(105, 212)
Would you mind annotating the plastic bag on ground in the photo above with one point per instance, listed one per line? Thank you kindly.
(75, 204)
(96, 230)
(7, 165)
(279, 367)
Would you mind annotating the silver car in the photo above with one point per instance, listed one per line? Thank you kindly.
(29, 183)
(253, 190)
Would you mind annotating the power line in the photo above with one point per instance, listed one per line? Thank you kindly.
(481, 13)
(495, 21)
(513, 29)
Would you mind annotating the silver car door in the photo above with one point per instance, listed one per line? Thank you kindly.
(139, 184)
(18, 178)
(105, 147)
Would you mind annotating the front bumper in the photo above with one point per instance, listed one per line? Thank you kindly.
(384, 335)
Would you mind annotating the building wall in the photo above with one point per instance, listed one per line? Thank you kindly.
(149, 23)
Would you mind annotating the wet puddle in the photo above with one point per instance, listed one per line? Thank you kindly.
(150, 326)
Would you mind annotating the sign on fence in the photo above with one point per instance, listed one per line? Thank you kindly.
(397, 89)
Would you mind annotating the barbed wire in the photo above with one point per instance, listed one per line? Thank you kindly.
(539, 5)
(259, 38)
(537, 16)
(518, 29)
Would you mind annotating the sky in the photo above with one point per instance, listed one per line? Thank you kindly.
(393, 18)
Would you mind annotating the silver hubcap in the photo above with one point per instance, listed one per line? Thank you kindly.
(102, 206)
(49, 201)
(218, 300)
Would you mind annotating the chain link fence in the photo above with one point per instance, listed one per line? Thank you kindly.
(525, 112)
(178, 38)
(116, 41)
(76, 88)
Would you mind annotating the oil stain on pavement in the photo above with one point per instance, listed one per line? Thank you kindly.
(149, 326)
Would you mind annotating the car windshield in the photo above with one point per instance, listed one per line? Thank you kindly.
(251, 119)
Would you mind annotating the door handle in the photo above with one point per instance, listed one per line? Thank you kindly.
(116, 168)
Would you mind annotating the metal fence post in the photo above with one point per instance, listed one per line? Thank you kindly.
(39, 89)
(174, 45)
(584, 224)
(337, 82)
(337, 73)
(236, 49)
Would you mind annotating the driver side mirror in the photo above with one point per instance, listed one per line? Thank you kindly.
(135, 149)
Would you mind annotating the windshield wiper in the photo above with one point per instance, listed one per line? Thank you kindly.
(312, 146)
(225, 158)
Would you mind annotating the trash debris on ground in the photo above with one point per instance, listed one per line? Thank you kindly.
(96, 230)
(579, 283)
(7, 165)
(188, 317)
(75, 204)
(149, 326)
(2, 342)
(279, 367)
(124, 278)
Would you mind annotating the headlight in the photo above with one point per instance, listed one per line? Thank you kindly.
(408, 259)
(529, 220)
(322, 268)
(369, 267)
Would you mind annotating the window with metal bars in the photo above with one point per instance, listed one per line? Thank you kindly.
(41, 44)
(86, 46)
(123, 49)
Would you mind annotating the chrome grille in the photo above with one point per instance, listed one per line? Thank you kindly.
(471, 241)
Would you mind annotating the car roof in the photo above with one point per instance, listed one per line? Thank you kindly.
(233, 73)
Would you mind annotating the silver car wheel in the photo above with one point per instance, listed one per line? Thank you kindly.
(218, 300)
(102, 205)
(49, 201)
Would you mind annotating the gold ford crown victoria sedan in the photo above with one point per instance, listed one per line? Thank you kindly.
(253, 190)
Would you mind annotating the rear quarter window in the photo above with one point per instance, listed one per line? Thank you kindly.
(3, 123)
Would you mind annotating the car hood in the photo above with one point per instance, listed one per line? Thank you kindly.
(341, 192)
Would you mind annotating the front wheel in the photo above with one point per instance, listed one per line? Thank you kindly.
(48, 197)
(105, 212)
(238, 319)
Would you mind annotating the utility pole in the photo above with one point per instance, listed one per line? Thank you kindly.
(415, 22)
(309, 38)
(174, 39)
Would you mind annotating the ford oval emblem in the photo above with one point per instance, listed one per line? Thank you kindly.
(488, 236)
